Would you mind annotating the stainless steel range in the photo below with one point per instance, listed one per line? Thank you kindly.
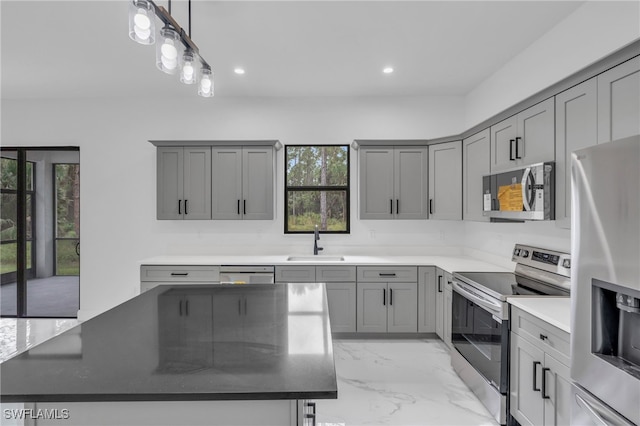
(480, 319)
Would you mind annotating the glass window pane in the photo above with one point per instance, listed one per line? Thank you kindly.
(8, 217)
(8, 173)
(29, 176)
(317, 165)
(67, 200)
(327, 209)
(67, 258)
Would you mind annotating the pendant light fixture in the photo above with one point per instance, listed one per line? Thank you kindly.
(176, 53)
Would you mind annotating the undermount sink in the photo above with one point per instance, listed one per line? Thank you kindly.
(315, 259)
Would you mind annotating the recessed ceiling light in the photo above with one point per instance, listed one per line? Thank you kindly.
(387, 70)
(239, 70)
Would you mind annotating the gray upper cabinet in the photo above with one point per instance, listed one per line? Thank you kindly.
(576, 128)
(445, 181)
(476, 162)
(184, 183)
(393, 183)
(619, 101)
(242, 183)
(525, 138)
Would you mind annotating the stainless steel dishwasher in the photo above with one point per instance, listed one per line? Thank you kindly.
(247, 274)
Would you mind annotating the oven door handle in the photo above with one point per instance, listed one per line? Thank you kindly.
(591, 410)
(491, 306)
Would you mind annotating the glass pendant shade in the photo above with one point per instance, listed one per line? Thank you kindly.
(142, 22)
(168, 50)
(188, 67)
(205, 88)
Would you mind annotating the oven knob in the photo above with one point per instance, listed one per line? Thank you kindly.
(524, 253)
(566, 263)
(516, 252)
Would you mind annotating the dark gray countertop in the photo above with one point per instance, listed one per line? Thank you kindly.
(186, 343)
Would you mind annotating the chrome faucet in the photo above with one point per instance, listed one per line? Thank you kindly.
(316, 237)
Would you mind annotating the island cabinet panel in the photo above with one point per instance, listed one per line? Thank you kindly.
(445, 181)
(540, 384)
(341, 299)
(427, 299)
(476, 162)
(186, 331)
(524, 139)
(184, 183)
(292, 274)
(619, 101)
(576, 128)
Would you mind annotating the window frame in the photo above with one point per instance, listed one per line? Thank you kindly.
(346, 189)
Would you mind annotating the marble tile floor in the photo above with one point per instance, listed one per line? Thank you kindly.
(399, 382)
(380, 382)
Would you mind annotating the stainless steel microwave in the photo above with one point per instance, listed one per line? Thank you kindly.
(525, 193)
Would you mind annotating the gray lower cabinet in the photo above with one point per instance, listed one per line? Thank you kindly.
(440, 303)
(540, 384)
(183, 183)
(476, 162)
(448, 302)
(387, 307)
(576, 128)
(341, 299)
(525, 138)
(242, 183)
(155, 275)
(295, 273)
(427, 289)
(619, 101)
(393, 182)
(445, 181)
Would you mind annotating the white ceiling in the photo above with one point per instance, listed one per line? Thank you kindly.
(68, 49)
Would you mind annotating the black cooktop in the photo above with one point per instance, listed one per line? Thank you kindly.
(504, 284)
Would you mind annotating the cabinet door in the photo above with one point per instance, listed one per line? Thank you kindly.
(410, 182)
(170, 170)
(526, 382)
(257, 183)
(503, 137)
(341, 298)
(440, 303)
(226, 183)
(557, 397)
(476, 162)
(576, 128)
(535, 140)
(619, 101)
(197, 183)
(445, 181)
(402, 308)
(427, 299)
(376, 183)
(371, 307)
(448, 300)
(198, 335)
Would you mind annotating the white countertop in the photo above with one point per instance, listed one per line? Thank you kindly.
(448, 263)
(554, 310)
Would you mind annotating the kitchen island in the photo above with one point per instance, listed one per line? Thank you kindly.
(243, 354)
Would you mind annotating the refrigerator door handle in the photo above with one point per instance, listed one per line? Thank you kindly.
(592, 411)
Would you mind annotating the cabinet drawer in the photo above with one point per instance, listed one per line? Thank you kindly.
(545, 336)
(291, 274)
(336, 273)
(387, 273)
(180, 273)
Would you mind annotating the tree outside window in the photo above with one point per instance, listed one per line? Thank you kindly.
(317, 188)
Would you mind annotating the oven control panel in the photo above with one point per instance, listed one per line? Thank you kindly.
(548, 260)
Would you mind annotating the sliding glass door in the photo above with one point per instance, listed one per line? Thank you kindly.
(39, 232)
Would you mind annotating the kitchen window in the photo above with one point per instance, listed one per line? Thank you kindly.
(316, 189)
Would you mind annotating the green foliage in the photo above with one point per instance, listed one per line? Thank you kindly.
(8, 257)
(308, 222)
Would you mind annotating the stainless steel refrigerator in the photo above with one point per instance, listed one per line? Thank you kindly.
(605, 284)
